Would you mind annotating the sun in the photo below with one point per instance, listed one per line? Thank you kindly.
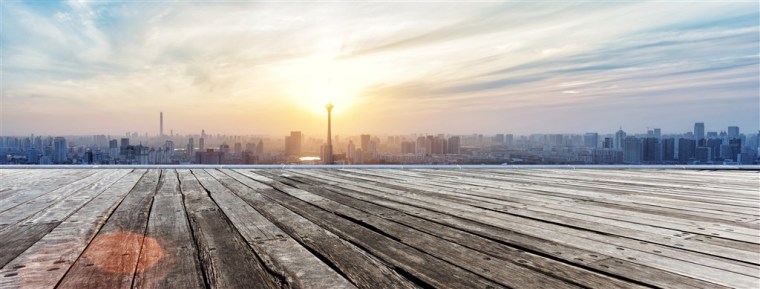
(315, 81)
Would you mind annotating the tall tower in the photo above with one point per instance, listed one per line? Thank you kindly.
(328, 149)
(161, 121)
(699, 130)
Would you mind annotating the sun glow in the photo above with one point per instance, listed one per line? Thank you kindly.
(318, 80)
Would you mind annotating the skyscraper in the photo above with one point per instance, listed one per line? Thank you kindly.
(408, 147)
(733, 132)
(714, 145)
(365, 142)
(260, 148)
(190, 148)
(652, 151)
(735, 145)
(619, 137)
(686, 149)
(668, 149)
(591, 139)
(632, 150)
(350, 152)
(454, 145)
(699, 130)
(293, 144)
(59, 150)
(607, 144)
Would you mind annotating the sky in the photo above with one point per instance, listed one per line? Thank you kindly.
(237, 67)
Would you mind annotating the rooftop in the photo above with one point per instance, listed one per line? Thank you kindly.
(379, 228)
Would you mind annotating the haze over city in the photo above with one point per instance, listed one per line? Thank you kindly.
(82, 67)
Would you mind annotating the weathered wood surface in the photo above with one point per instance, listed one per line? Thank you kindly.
(168, 228)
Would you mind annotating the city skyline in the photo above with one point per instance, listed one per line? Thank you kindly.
(240, 68)
(728, 147)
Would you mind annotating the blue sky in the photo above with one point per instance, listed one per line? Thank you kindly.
(84, 67)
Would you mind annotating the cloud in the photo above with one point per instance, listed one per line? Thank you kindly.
(485, 63)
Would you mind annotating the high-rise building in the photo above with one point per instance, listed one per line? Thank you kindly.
(498, 139)
(202, 144)
(60, 151)
(632, 150)
(590, 140)
(509, 139)
(714, 145)
(619, 137)
(657, 133)
(224, 148)
(209, 157)
(686, 149)
(260, 148)
(124, 142)
(652, 151)
(161, 124)
(668, 149)
(454, 145)
(238, 149)
(408, 147)
(703, 154)
(733, 132)
(351, 152)
(293, 144)
(190, 147)
(607, 144)
(365, 138)
(439, 146)
(699, 130)
(735, 145)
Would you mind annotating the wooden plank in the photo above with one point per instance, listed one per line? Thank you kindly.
(175, 263)
(499, 252)
(358, 266)
(603, 225)
(745, 253)
(282, 254)
(550, 183)
(43, 182)
(600, 243)
(634, 195)
(17, 237)
(45, 262)
(109, 261)
(423, 266)
(226, 259)
(506, 273)
(605, 222)
(34, 206)
(560, 251)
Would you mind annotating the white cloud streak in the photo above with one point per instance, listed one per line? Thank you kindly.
(247, 67)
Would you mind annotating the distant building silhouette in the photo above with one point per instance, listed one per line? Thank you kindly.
(591, 140)
(454, 145)
(686, 150)
(632, 150)
(60, 150)
(699, 130)
(619, 136)
(733, 132)
(293, 144)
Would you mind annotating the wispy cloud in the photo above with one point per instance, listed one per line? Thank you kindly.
(461, 67)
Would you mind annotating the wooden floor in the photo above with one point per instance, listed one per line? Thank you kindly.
(122, 228)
